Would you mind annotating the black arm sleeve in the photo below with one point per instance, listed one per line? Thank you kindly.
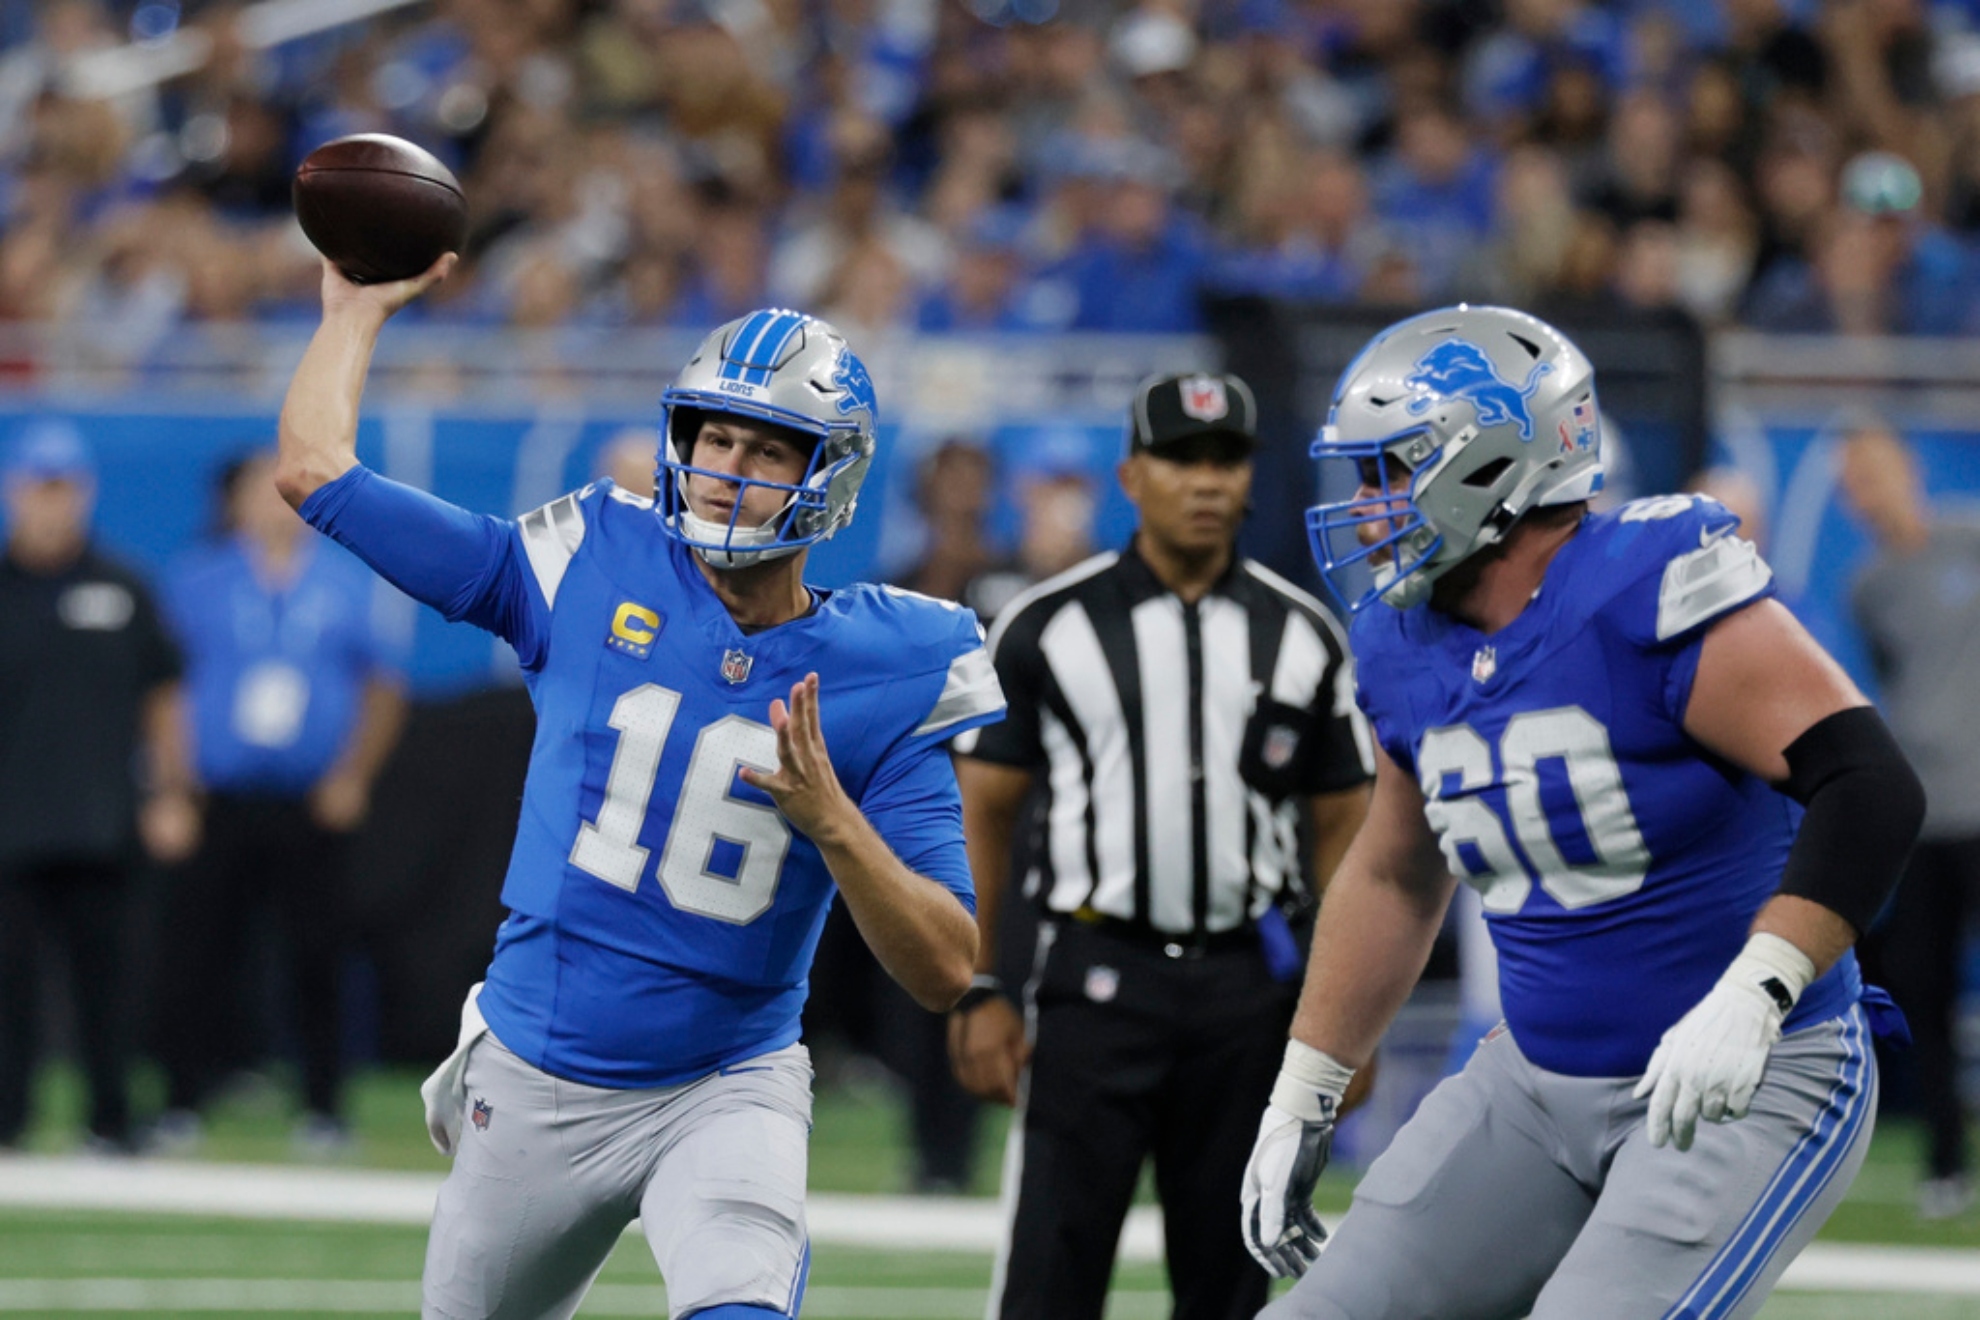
(1865, 806)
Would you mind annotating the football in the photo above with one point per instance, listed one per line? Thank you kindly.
(378, 206)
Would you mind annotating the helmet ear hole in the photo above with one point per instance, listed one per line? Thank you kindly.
(1488, 475)
(683, 425)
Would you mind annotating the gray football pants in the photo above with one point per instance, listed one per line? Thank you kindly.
(1517, 1191)
(549, 1173)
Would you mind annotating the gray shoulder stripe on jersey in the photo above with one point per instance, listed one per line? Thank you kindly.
(1310, 601)
(1706, 582)
(551, 536)
(634, 498)
(970, 689)
(1079, 572)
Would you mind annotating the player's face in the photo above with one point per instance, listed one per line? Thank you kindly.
(1191, 497)
(1392, 500)
(742, 448)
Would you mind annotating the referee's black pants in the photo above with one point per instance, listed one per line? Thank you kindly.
(257, 853)
(1917, 952)
(1140, 1053)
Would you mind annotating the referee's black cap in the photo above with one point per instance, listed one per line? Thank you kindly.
(1170, 409)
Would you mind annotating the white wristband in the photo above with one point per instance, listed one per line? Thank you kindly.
(1774, 967)
(1307, 1075)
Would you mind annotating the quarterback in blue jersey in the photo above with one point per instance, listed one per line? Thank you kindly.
(719, 750)
(1679, 814)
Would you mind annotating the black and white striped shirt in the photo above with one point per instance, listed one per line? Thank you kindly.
(1176, 740)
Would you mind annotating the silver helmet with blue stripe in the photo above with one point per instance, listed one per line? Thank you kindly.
(789, 370)
(1459, 421)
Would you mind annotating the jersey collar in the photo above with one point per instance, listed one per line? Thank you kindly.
(1142, 584)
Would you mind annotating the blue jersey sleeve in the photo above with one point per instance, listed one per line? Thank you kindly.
(914, 803)
(1381, 651)
(1679, 565)
(911, 797)
(468, 566)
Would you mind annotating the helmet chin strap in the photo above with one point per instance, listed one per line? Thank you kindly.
(1405, 592)
(745, 545)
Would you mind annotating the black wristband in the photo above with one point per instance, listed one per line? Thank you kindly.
(982, 988)
(1865, 806)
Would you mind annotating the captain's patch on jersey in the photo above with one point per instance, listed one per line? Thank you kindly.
(633, 629)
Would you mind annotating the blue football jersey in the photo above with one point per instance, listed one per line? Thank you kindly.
(662, 912)
(1620, 863)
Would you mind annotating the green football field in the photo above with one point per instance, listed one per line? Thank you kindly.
(69, 1262)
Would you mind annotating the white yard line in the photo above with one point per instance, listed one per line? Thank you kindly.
(885, 1222)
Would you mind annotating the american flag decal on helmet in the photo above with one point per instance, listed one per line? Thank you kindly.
(1585, 421)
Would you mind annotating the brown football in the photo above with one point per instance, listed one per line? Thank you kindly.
(379, 207)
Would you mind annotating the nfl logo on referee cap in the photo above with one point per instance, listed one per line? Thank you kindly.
(1179, 410)
(1203, 398)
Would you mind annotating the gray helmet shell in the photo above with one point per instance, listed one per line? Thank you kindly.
(791, 370)
(1492, 412)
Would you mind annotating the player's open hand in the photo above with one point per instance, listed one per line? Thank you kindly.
(1275, 1202)
(343, 294)
(988, 1051)
(1710, 1062)
(804, 786)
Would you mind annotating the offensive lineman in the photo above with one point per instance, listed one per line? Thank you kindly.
(1680, 815)
(634, 1051)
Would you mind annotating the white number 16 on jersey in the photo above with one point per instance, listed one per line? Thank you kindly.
(1577, 739)
(707, 812)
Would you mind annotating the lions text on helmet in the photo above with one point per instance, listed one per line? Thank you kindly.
(765, 438)
(1459, 421)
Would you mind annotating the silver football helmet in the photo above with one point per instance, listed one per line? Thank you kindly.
(1485, 412)
(794, 371)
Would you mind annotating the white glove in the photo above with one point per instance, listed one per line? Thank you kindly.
(1709, 1063)
(1294, 1138)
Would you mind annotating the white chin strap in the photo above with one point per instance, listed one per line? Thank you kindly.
(745, 545)
(1406, 592)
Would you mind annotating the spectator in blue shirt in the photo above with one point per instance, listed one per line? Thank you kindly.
(294, 711)
(1435, 192)
(1878, 265)
(984, 287)
(1139, 267)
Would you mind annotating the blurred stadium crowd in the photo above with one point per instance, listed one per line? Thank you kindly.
(955, 165)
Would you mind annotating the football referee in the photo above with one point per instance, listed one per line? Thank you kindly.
(1188, 713)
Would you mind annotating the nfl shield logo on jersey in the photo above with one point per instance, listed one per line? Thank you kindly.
(1484, 664)
(1281, 745)
(735, 666)
(1203, 398)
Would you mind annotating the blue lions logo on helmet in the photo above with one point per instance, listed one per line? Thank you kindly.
(850, 376)
(1457, 369)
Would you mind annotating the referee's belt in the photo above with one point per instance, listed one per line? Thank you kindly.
(1171, 944)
